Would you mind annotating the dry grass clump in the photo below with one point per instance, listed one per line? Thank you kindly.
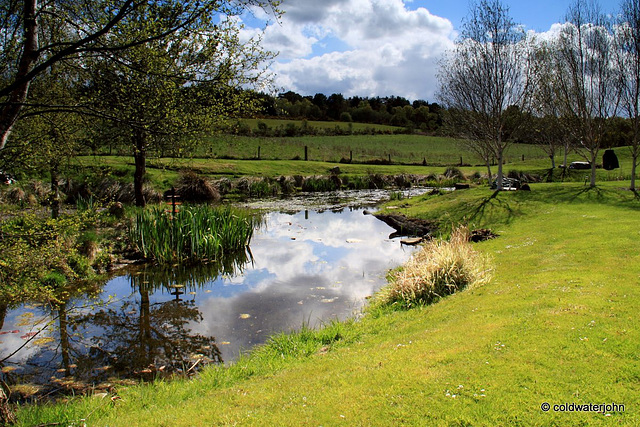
(195, 188)
(440, 268)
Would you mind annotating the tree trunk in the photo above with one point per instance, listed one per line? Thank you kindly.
(55, 192)
(634, 164)
(489, 171)
(553, 162)
(499, 178)
(18, 96)
(140, 157)
(594, 155)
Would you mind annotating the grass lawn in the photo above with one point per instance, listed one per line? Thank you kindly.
(558, 323)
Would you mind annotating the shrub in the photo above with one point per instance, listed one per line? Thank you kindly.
(440, 268)
(453, 173)
(345, 117)
(320, 183)
(195, 188)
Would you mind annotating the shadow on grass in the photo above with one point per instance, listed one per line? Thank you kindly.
(493, 206)
(503, 206)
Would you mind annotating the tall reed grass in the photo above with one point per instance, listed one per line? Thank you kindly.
(440, 268)
(195, 233)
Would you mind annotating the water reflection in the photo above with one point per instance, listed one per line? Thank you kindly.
(304, 267)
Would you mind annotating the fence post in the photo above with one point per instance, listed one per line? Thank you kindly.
(306, 153)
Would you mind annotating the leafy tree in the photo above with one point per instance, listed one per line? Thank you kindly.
(165, 94)
(486, 73)
(82, 28)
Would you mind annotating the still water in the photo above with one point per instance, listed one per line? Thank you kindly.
(310, 267)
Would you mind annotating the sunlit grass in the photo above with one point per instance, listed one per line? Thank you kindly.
(557, 323)
(193, 233)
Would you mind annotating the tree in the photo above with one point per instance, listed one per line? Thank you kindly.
(486, 73)
(627, 40)
(583, 80)
(83, 28)
(165, 94)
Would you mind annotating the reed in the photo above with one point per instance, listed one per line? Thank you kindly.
(195, 233)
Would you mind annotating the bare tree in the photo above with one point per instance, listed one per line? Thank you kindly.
(583, 79)
(627, 41)
(485, 74)
(549, 133)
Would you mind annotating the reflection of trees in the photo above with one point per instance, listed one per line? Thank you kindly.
(145, 338)
(133, 338)
(192, 277)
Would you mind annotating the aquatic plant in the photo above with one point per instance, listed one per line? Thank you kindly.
(440, 268)
(195, 233)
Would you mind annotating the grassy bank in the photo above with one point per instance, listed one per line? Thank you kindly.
(558, 323)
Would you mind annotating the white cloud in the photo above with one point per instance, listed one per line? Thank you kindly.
(386, 49)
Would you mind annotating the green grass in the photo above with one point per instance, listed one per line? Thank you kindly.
(406, 149)
(194, 233)
(558, 323)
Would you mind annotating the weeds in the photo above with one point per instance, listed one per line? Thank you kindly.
(441, 268)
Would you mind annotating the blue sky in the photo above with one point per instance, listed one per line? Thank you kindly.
(535, 15)
(380, 47)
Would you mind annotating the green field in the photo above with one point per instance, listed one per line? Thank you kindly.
(163, 172)
(558, 323)
(405, 149)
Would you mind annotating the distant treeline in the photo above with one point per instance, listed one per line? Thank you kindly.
(394, 110)
(419, 115)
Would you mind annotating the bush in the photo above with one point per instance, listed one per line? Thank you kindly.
(440, 268)
(454, 173)
(345, 117)
(195, 188)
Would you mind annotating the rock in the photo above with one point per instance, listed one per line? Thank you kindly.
(405, 226)
(525, 187)
(481, 234)
(335, 171)
(460, 186)
(412, 241)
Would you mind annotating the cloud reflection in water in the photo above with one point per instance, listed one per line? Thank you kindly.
(308, 267)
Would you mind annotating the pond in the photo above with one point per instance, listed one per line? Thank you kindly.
(303, 266)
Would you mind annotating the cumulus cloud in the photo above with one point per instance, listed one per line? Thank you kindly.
(385, 48)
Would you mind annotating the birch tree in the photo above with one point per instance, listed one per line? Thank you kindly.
(585, 89)
(167, 93)
(627, 42)
(485, 74)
